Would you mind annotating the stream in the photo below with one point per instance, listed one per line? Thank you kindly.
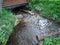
(33, 24)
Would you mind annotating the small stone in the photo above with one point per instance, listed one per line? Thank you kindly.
(40, 43)
(19, 16)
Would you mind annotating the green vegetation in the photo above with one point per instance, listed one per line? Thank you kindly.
(47, 8)
(7, 20)
(52, 41)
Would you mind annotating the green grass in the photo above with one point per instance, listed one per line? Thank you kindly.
(47, 8)
(7, 21)
(52, 41)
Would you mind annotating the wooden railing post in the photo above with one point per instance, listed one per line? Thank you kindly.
(0, 6)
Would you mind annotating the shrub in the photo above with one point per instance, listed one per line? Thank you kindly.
(7, 20)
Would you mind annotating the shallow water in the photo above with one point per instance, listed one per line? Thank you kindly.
(32, 25)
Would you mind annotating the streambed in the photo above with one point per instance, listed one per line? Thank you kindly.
(33, 24)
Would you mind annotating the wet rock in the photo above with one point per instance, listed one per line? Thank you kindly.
(18, 19)
(40, 43)
(19, 16)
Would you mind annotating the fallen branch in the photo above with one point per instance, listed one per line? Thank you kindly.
(42, 36)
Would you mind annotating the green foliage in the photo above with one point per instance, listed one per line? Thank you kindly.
(7, 20)
(52, 41)
(47, 8)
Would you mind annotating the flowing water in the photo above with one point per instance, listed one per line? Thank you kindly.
(32, 25)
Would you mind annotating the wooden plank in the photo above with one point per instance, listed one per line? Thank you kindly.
(13, 2)
(42, 36)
